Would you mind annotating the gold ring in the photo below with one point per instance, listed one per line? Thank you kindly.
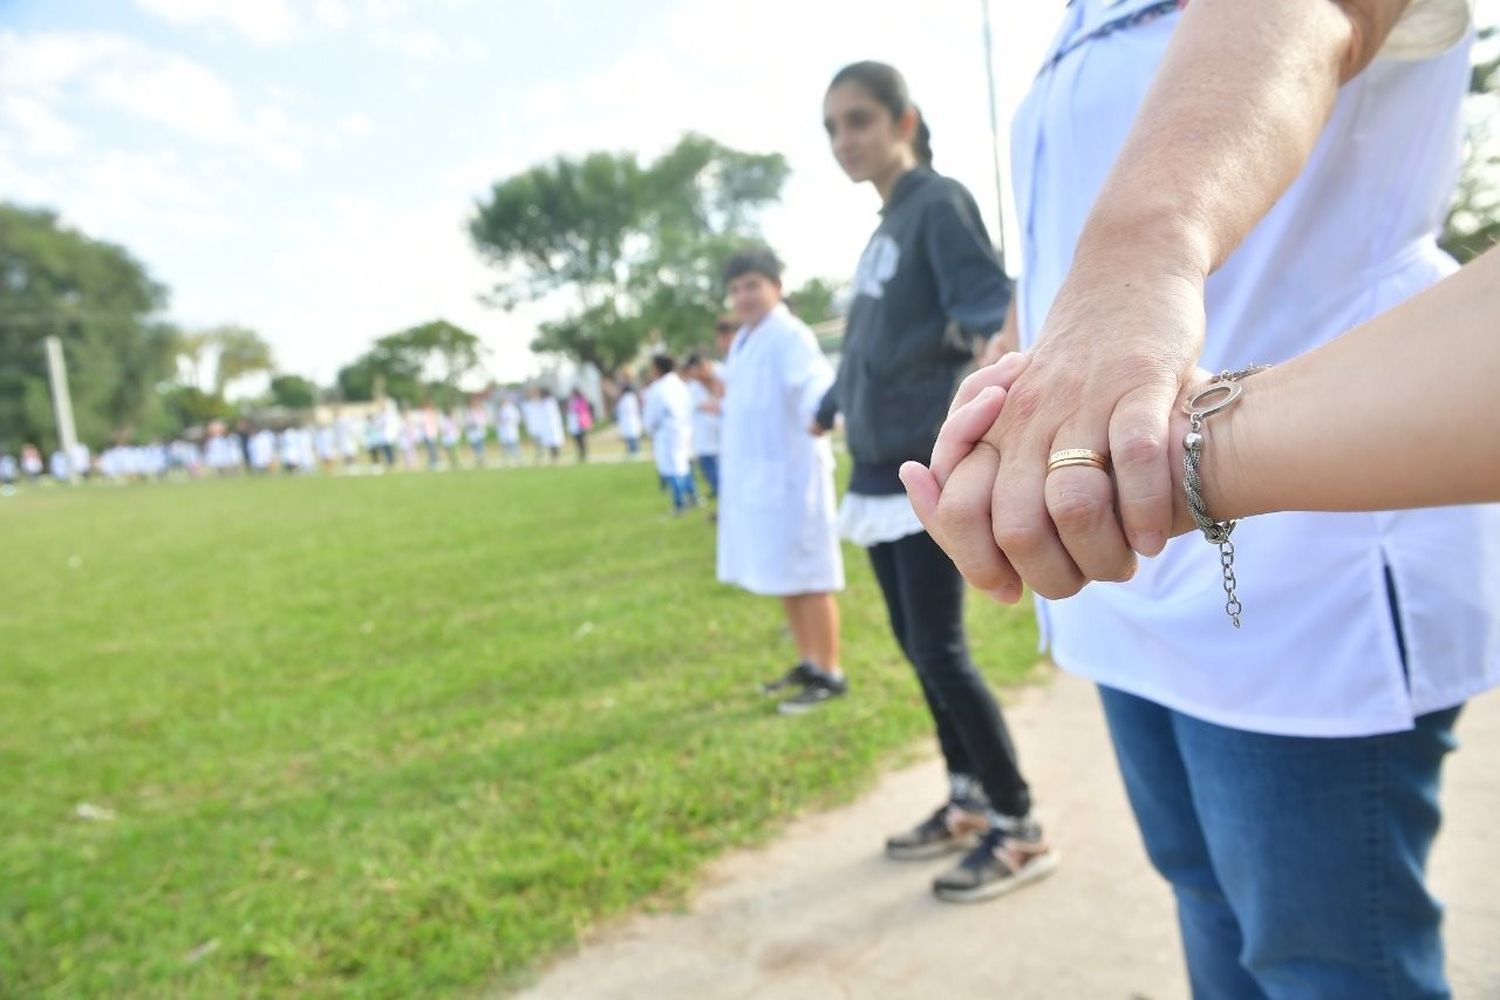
(1069, 457)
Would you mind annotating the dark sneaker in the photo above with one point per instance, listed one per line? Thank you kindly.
(821, 687)
(1004, 861)
(799, 676)
(949, 829)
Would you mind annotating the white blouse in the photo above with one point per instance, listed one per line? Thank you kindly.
(1320, 653)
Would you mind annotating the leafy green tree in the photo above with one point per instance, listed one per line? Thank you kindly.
(423, 362)
(293, 392)
(241, 352)
(185, 406)
(636, 247)
(101, 302)
(815, 302)
(1474, 219)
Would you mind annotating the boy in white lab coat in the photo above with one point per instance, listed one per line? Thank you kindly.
(668, 418)
(777, 509)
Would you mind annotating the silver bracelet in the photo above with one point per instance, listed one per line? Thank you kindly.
(1222, 390)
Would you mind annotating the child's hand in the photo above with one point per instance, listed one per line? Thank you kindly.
(967, 422)
(952, 497)
(957, 514)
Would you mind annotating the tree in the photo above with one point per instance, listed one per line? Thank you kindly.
(637, 248)
(186, 406)
(101, 302)
(293, 392)
(1474, 219)
(241, 352)
(414, 365)
(815, 302)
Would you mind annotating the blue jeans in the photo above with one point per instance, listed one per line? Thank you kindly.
(1298, 863)
(683, 490)
(708, 468)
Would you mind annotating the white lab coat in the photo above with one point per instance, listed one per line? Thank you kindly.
(668, 418)
(549, 422)
(508, 423)
(628, 415)
(777, 530)
(707, 424)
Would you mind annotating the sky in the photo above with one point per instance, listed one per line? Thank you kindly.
(307, 167)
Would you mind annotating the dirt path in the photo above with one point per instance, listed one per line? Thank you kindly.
(820, 913)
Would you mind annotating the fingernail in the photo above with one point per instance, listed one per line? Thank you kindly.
(1149, 543)
(1009, 594)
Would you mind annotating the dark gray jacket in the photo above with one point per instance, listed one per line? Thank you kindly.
(929, 286)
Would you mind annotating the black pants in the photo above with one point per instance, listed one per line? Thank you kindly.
(924, 594)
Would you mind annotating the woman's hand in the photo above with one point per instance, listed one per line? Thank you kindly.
(956, 520)
(1111, 364)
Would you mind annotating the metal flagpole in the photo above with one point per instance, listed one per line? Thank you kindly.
(989, 72)
(62, 402)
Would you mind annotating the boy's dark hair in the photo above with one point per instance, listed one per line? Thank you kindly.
(663, 363)
(753, 260)
(693, 360)
(886, 84)
(726, 324)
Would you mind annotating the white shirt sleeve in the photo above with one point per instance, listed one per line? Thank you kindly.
(1427, 28)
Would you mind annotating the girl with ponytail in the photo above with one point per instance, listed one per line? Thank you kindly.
(928, 292)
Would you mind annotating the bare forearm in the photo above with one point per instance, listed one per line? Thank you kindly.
(1400, 412)
(1235, 109)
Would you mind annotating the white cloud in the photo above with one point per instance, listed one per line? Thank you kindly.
(41, 63)
(257, 20)
(364, 270)
(333, 13)
(356, 124)
(41, 72)
(40, 131)
(117, 190)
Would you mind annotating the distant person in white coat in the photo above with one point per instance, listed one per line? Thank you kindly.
(477, 429)
(550, 418)
(668, 418)
(777, 510)
(704, 387)
(628, 418)
(508, 430)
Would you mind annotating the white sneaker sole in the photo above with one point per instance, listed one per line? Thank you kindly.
(1034, 872)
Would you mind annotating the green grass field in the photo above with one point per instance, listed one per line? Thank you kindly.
(392, 736)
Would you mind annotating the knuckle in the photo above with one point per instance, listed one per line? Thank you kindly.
(955, 516)
(1018, 539)
(1139, 446)
(1075, 510)
(1026, 399)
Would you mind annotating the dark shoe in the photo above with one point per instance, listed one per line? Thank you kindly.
(949, 829)
(821, 687)
(1003, 862)
(799, 676)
